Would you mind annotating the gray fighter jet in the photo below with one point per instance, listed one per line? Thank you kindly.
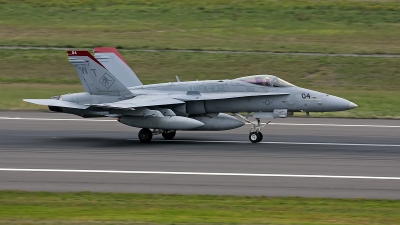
(113, 90)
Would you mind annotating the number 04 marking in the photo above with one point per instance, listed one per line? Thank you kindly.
(305, 95)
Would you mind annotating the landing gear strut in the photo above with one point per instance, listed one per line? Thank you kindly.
(255, 131)
(255, 134)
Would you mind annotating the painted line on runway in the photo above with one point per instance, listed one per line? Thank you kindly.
(279, 124)
(199, 173)
(283, 143)
(52, 119)
(333, 144)
(334, 125)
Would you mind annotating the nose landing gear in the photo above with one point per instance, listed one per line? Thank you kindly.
(255, 134)
(255, 131)
(255, 137)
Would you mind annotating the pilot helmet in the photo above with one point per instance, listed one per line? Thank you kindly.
(267, 81)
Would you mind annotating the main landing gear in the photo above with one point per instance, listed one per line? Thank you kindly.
(169, 134)
(145, 135)
(255, 134)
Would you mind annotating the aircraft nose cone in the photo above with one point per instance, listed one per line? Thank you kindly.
(352, 105)
(333, 103)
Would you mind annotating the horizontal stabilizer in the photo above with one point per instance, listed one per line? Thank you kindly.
(55, 102)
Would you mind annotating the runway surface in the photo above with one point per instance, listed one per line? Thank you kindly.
(298, 157)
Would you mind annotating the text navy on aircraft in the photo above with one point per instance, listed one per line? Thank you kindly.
(112, 89)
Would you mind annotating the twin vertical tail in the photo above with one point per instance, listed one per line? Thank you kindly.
(95, 78)
(116, 64)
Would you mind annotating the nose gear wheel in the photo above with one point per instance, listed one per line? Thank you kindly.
(255, 137)
(255, 134)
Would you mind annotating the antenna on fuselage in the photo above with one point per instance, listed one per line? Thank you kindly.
(177, 79)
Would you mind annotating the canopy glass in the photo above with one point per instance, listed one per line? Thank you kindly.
(265, 80)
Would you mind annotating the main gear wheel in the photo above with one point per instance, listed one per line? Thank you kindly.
(145, 135)
(169, 135)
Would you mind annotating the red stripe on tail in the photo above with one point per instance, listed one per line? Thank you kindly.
(110, 50)
(84, 53)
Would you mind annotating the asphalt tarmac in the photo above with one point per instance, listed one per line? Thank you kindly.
(313, 157)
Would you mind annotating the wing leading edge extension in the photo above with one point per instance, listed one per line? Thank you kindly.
(196, 96)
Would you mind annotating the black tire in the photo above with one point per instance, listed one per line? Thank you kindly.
(169, 135)
(145, 135)
(261, 137)
(254, 137)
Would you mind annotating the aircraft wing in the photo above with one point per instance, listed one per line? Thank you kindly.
(196, 96)
(55, 102)
(137, 102)
(140, 101)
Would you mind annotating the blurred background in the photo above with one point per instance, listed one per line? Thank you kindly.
(352, 46)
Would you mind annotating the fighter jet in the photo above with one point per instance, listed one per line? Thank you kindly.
(113, 90)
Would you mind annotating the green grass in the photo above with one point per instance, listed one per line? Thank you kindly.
(340, 26)
(334, 26)
(12, 94)
(113, 208)
(372, 83)
(345, 73)
(371, 104)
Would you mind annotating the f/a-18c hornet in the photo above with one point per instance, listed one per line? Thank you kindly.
(113, 90)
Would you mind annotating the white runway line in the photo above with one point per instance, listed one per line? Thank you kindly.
(51, 119)
(284, 143)
(334, 125)
(199, 173)
(279, 124)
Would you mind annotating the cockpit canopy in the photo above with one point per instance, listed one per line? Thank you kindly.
(265, 80)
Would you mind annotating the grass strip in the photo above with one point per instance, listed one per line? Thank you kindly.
(18, 207)
(335, 26)
(323, 72)
(12, 96)
(369, 82)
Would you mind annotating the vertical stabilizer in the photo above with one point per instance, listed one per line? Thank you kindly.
(95, 78)
(116, 64)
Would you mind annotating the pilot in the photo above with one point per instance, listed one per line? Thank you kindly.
(267, 82)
